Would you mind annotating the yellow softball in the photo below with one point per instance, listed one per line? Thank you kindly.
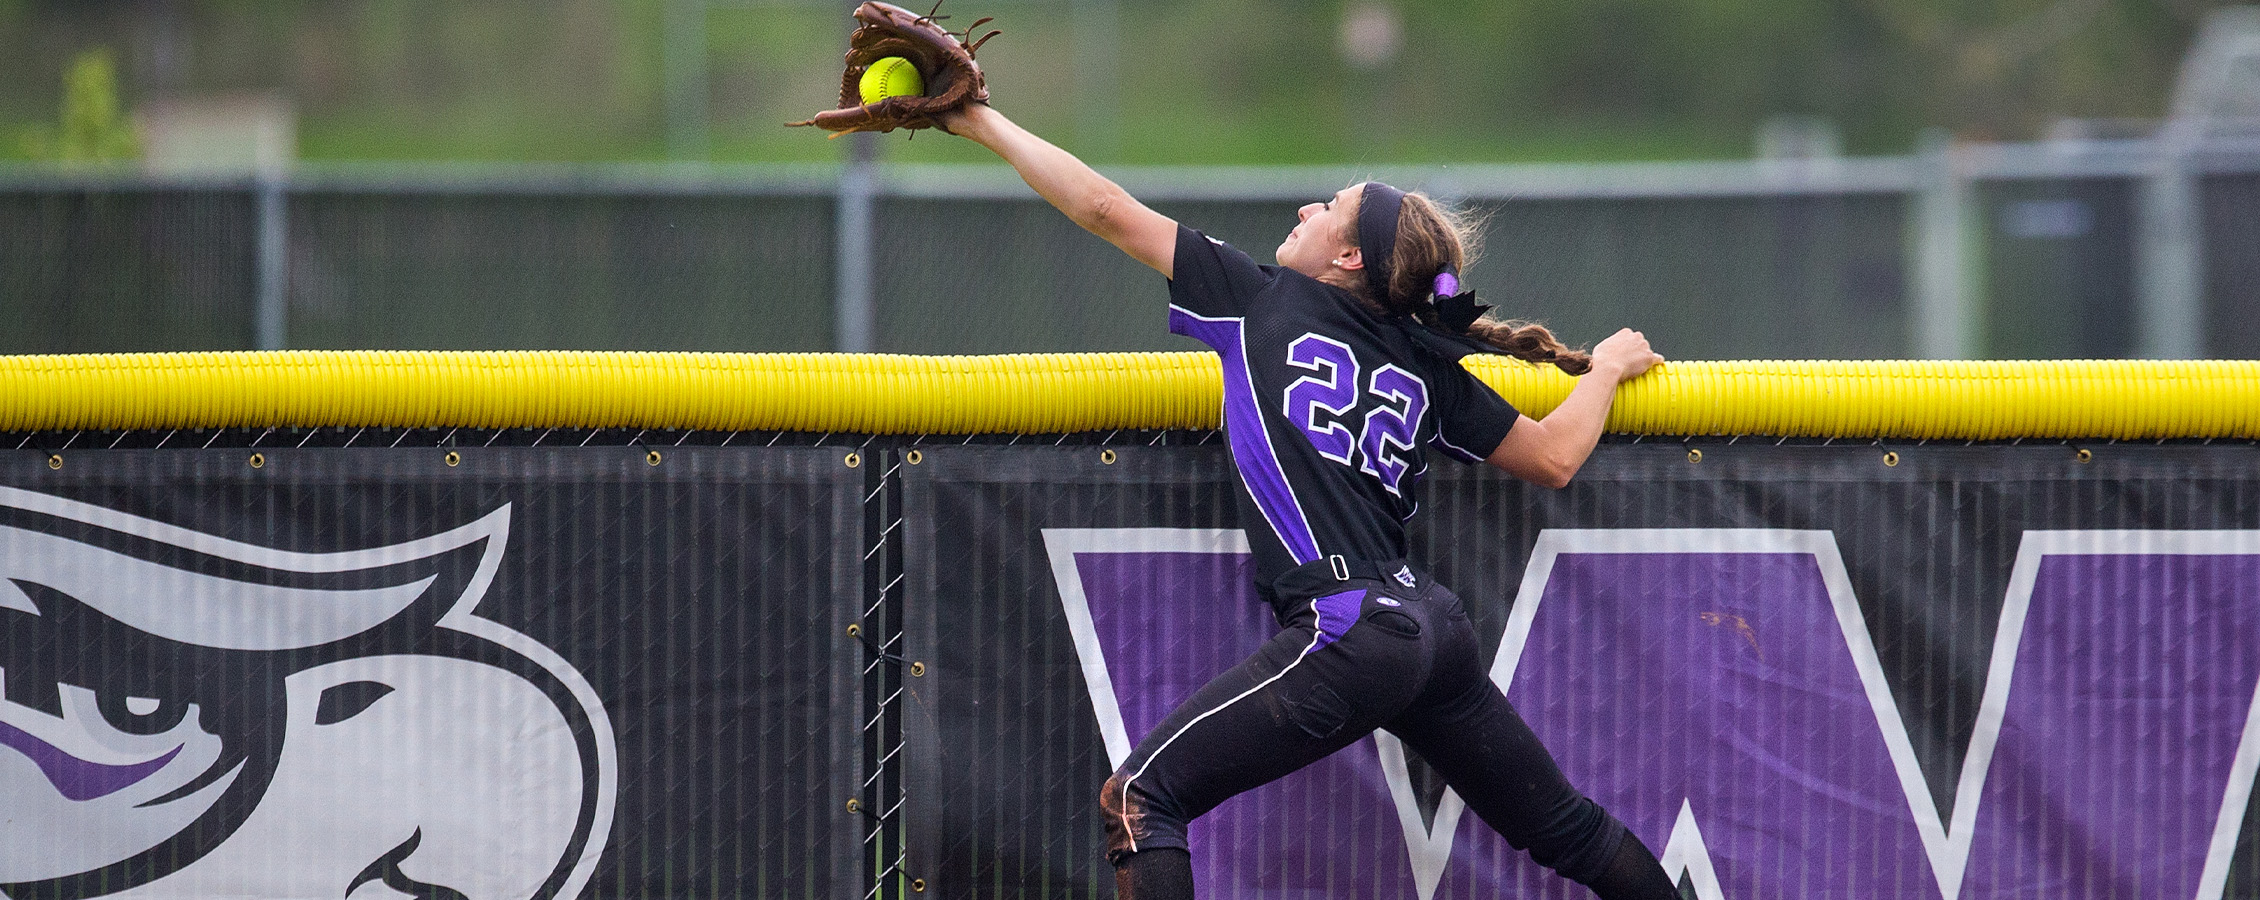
(891, 76)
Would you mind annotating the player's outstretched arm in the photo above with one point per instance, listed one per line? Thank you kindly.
(1549, 451)
(1099, 205)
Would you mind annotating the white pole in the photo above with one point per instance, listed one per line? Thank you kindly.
(1945, 320)
(2169, 264)
(273, 253)
(853, 316)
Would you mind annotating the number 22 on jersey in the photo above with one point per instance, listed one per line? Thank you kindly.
(1326, 403)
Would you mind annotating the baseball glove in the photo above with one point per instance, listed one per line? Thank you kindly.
(944, 60)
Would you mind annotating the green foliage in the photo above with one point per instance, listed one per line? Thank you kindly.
(1194, 81)
(93, 127)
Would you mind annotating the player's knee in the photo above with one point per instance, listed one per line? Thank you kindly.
(1109, 790)
(1129, 806)
(1114, 797)
(1137, 820)
(1116, 809)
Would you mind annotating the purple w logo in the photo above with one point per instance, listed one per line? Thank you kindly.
(1719, 691)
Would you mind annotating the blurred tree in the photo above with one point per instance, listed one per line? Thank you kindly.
(1194, 81)
(2005, 70)
(93, 128)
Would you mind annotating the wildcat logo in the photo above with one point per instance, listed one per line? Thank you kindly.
(184, 715)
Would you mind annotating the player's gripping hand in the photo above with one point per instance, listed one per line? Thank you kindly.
(1626, 353)
(944, 60)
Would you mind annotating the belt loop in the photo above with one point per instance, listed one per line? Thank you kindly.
(1341, 567)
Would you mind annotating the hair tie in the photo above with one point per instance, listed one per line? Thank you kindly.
(1455, 309)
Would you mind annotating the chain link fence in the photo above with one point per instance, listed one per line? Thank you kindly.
(2008, 251)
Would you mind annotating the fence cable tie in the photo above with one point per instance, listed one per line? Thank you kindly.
(863, 637)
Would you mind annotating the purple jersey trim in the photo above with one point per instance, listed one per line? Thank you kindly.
(1336, 613)
(1250, 436)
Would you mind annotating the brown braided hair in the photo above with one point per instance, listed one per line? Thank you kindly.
(1431, 237)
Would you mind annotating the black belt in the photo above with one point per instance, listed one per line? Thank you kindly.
(1321, 576)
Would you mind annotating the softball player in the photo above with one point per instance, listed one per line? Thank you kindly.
(1341, 370)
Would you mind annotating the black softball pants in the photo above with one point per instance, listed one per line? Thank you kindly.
(1365, 654)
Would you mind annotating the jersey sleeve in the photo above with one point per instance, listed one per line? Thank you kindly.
(1211, 279)
(1471, 418)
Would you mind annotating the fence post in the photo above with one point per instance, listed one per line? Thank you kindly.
(270, 312)
(852, 256)
(2169, 269)
(1945, 320)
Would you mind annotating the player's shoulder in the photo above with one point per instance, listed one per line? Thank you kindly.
(1196, 239)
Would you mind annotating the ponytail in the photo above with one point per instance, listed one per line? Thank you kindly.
(1532, 342)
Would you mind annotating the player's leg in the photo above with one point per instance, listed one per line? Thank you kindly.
(1155, 873)
(1293, 702)
(1465, 729)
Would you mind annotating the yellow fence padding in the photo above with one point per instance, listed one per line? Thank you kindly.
(1907, 399)
(1045, 393)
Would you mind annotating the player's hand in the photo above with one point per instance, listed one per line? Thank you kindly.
(966, 121)
(1625, 353)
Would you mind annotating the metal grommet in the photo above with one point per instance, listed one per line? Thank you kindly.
(1106, 456)
(258, 460)
(651, 458)
(2086, 455)
(1694, 455)
(914, 457)
(855, 630)
(917, 670)
(854, 460)
(54, 460)
(854, 804)
(918, 885)
(454, 458)
(1891, 457)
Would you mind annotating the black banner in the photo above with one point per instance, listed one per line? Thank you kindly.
(1794, 670)
(523, 672)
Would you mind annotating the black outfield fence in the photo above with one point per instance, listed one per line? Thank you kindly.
(733, 664)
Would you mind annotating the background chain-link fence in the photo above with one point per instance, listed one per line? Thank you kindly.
(2077, 249)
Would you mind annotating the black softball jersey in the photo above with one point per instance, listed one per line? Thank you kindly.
(1329, 406)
